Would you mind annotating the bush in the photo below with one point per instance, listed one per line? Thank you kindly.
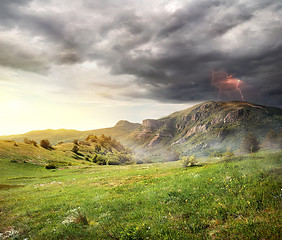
(75, 148)
(28, 141)
(45, 144)
(97, 148)
(113, 162)
(101, 160)
(50, 166)
(188, 161)
(228, 155)
(139, 162)
(216, 154)
(81, 219)
(124, 158)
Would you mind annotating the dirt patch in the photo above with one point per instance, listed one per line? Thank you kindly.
(21, 178)
(8, 186)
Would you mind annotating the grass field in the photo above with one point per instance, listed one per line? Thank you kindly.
(238, 198)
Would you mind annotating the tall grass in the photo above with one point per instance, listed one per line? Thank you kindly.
(234, 199)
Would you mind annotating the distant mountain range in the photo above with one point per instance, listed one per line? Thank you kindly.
(201, 129)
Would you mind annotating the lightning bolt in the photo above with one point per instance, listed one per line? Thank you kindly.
(222, 80)
(239, 89)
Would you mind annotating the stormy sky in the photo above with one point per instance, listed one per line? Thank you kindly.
(133, 59)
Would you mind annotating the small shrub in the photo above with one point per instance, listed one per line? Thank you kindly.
(45, 144)
(188, 161)
(227, 155)
(101, 160)
(139, 162)
(75, 148)
(28, 141)
(97, 148)
(80, 218)
(113, 162)
(216, 154)
(50, 166)
(124, 158)
(94, 159)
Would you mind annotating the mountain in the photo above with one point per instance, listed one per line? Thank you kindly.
(199, 130)
(208, 127)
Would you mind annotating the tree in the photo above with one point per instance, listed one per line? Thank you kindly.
(28, 141)
(97, 148)
(171, 155)
(75, 148)
(272, 140)
(249, 144)
(46, 144)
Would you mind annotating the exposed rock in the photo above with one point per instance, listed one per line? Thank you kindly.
(181, 140)
(216, 120)
(144, 134)
(197, 128)
(233, 116)
(196, 116)
(158, 137)
(152, 124)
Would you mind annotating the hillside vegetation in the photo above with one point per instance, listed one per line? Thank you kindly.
(101, 150)
(237, 198)
(226, 185)
(199, 130)
(209, 127)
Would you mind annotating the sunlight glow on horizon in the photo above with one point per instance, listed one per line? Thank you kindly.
(21, 114)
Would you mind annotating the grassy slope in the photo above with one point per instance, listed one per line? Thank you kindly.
(27, 153)
(236, 199)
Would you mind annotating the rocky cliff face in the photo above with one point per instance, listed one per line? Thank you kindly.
(209, 124)
(151, 124)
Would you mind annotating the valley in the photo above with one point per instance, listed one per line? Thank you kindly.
(131, 181)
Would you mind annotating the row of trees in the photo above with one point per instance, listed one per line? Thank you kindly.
(43, 143)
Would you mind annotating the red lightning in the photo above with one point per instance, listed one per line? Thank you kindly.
(223, 81)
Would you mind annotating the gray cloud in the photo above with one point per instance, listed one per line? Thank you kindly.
(169, 53)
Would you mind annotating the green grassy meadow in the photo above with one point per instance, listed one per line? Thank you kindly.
(238, 198)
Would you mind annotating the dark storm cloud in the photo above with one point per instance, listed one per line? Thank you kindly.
(170, 53)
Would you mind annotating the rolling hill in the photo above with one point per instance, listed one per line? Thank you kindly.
(122, 128)
(199, 130)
